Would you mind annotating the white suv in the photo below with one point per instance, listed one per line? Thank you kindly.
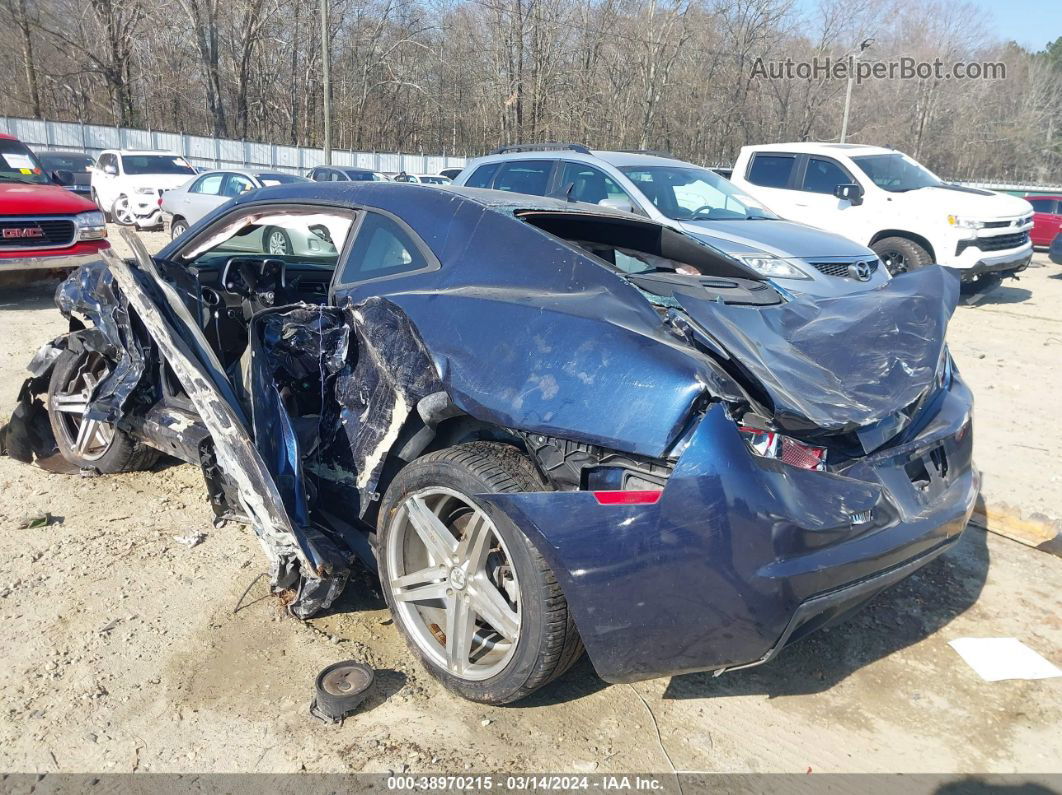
(128, 186)
(888, 201)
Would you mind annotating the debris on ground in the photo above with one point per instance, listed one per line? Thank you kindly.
(31, 520)
(191, 540)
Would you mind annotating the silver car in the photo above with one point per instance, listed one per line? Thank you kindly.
(689, 198)
(206, 192)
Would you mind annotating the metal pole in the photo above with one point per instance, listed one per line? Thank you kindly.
(326, 81)
(848, 91)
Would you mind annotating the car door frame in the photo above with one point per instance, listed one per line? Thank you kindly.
(344, 290)
(557, 176)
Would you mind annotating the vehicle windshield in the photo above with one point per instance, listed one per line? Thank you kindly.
(280, 179)
(155, 164)
(435, 180)
(360, 176)
(688, 193)
(19, 164)
(54, 161)
(896, 173)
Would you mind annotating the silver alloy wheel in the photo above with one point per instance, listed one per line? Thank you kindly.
(91, 439)
(278, 243)
(123, 211)
(453, 583)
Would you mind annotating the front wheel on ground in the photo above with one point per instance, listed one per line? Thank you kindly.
(472, 596)
(122, 211)
(84, 442)
(900, 254)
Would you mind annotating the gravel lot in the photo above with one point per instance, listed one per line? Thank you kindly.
(123, 649)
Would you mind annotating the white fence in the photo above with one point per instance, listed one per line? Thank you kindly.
(206, 152)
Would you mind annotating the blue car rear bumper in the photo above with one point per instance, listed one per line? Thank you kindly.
(741, 554)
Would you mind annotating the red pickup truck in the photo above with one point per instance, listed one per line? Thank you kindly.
(42, 225)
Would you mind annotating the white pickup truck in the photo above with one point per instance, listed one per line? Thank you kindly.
(886, 200)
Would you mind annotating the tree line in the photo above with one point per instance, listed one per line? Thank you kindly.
(462, 76)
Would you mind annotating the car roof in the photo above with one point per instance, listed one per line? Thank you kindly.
(164, 152)
(394, 196)
(250, 172)
(6, 137)
(1055, 196)
(811, 147)
(618, 159)
(63, 152)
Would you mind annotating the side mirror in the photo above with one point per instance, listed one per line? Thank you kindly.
(63, 177)
(109, 169)
(617, 204)
(849, 192)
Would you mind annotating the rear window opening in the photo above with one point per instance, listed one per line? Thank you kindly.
(637, 247)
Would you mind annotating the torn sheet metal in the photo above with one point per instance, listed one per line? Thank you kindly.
(375, 397)
(837, 364)
(295, 559)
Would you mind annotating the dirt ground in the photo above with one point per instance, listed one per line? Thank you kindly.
(124, 650)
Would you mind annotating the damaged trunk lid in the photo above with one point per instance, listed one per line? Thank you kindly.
(834, 365)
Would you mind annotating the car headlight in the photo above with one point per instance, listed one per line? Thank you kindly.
(772, 267)
(965, 223)
(91, 225)
(147, 191)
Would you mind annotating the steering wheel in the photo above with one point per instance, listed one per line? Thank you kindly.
(254, 279)
(697, 212)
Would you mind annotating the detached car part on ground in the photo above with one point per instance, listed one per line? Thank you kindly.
(545, 424)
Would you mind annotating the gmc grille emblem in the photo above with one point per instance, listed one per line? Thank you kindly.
(23, 232)
(860, 271)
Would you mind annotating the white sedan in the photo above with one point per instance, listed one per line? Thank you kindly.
(208, 191)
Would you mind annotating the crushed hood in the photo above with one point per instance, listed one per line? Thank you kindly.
(836, 364)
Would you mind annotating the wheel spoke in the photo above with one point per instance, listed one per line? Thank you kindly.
(86, 435)
(422, 585)
(432, 532)
(475, 544)
(460, 627)
(492, 608)
(70, 404)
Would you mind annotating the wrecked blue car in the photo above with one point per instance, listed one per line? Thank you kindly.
(545, 425)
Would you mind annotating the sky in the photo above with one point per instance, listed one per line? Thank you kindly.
(1031, 23)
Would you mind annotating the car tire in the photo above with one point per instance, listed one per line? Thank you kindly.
(108, 449)
(177, 228)
(544, 642)
(106, 212)
(901, 254)
(275, 241)
(122, 212)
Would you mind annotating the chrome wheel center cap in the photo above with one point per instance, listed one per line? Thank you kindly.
(458, 579)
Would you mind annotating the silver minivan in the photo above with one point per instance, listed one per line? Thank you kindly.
(690, 198)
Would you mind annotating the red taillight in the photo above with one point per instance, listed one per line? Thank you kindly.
(769, 444)
(627, 497)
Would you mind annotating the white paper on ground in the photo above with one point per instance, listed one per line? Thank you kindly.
(994, 659)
